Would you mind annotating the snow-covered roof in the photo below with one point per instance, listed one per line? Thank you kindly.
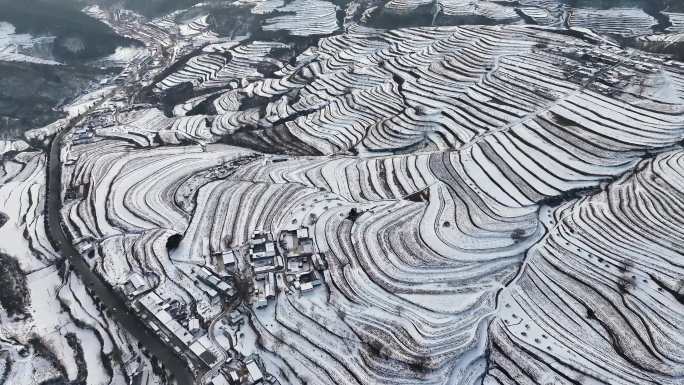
(254, 371)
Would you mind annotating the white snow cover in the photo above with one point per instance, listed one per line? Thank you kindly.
(517, 194)
(54, 301)
(13, 44)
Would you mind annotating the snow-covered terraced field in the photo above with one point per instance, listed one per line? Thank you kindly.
(666, 42)
(197, 70)
(473, 204)
(455, 146)
(465, 8)
(615, 21)
(304, 18)
(601, 293)
(209, 70)
(676, 21)
(61, 334)
(373, 91)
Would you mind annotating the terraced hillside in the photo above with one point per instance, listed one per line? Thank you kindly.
(609, 270)
(53, 330)
(481, 163)
(399, 192)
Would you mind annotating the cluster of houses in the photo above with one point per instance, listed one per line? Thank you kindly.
(135, 286)
(290, 261)
(183, 332)
(214, 287)
(612, 55)
(245, 372)
(191, 341)
(187, 336)
(155, 311)
(82, 136)
(85, 133)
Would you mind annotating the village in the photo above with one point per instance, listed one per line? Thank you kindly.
(375, 206)
(204, 333)
(285, 263)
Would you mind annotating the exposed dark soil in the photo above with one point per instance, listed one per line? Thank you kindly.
(14, 296)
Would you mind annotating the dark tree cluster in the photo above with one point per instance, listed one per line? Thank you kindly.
(14, 295)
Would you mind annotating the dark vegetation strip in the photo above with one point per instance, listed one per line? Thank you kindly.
(14, 295)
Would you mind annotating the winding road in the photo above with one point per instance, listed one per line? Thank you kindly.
(119, 310)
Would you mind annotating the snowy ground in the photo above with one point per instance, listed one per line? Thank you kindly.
(64, 334)
(18, 47)
(493, 204)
